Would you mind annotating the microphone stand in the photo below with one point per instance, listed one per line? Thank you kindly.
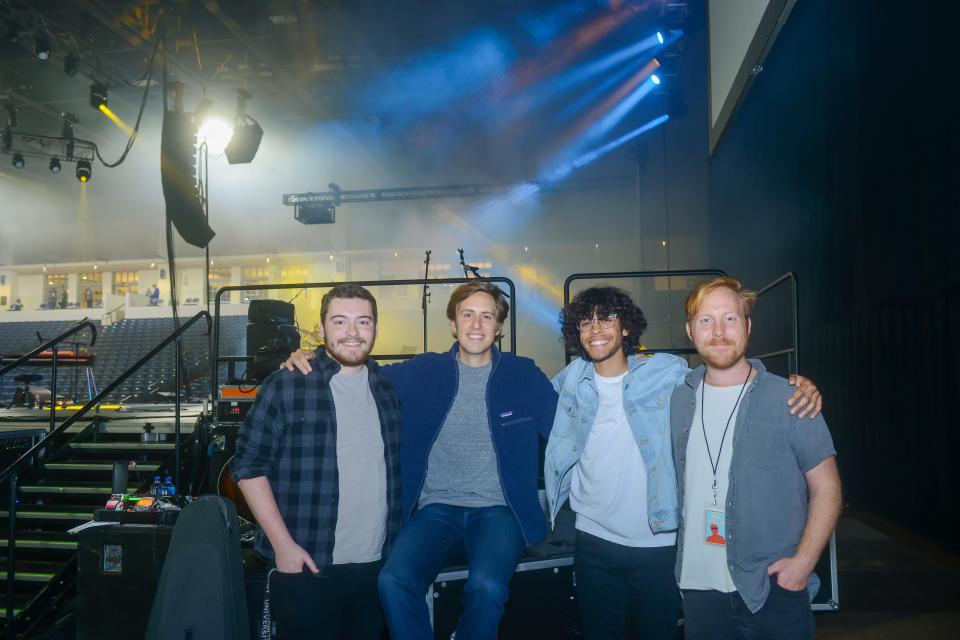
(425, 298)
(468, 268)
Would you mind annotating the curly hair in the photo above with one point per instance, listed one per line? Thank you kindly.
(602, 301)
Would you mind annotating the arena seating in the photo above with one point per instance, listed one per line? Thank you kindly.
(119, 346)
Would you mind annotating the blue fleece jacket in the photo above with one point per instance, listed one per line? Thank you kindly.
(521, 404)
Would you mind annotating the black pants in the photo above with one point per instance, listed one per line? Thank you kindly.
(341, 603)
(626, 592)
(712, 615)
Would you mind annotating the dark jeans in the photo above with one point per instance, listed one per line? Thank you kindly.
(341, 603)
(626, 592)
(710, 615)
(493, 543)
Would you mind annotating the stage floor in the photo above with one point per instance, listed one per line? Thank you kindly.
(891, 586)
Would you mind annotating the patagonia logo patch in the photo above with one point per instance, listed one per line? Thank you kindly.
(506, 414)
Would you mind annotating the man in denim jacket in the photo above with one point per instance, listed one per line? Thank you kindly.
(610, 453)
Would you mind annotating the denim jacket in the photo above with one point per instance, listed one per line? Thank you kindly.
(646, 401)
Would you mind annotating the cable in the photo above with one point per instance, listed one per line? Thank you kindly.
(136, 127)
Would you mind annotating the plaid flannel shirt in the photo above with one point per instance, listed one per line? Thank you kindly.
(290, 436)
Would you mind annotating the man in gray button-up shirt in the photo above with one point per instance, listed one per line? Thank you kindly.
(759, 494)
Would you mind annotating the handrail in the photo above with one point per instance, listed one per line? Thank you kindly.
(53, 341)
(12, 471)
(215, 357)
(794, 349)
(19, 462)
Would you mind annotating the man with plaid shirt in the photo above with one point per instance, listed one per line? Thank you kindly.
(318, 463)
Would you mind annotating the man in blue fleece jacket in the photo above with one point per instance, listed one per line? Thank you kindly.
(471, 421)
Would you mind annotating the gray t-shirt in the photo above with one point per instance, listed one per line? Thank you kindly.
(462, 468)
(362, 509)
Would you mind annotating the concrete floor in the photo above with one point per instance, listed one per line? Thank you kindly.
(892, 586)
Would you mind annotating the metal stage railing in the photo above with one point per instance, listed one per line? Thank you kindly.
(615, 275)
(217, 358)
(53, 344)
(792, 352)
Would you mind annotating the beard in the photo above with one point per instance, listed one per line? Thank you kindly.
(723, 359)
(350, 358)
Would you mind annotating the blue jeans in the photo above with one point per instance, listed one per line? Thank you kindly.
(493, 544)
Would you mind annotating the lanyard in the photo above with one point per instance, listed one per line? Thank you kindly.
(703, 426)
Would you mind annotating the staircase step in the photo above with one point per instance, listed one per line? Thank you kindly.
(185, 428)
(29, 576)
(122, 446)
(67, 489)
(50, 515)
(99, 466)
(25, 543)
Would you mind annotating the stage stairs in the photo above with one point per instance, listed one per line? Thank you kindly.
(63, 492)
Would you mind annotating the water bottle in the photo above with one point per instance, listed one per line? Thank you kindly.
(156, 489)
(169, 489)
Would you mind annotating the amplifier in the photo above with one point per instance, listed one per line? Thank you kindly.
(235, 401)
(15, 443)
(270, 312)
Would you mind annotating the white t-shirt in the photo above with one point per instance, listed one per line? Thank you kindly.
(705, 563)
(608, 488)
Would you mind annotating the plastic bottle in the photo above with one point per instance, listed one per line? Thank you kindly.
(156, 489)
(169, 489)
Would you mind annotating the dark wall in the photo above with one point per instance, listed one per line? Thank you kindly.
(842, 165)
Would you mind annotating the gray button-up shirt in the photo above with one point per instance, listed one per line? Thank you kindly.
(766, 509)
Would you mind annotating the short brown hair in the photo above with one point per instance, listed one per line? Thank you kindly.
(747, 298)
(466, 290)
(347, 290)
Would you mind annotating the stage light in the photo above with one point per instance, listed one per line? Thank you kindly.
(655, 79)
(54, 165)
(246, 135)
(98, 95)
(216, 133)
(18, 161)
(660, 37)
(315, 213)
(70, 65)
(42, 46)
(244, 143)
(84, 172)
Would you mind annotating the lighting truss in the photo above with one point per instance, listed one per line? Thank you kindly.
(33, 145)
(339, 197)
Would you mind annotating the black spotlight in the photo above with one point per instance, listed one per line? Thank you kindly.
(54, 165)
(244, 143)
(70, 65)
(42, 46)
(84, 171)
(18, 160)
(98, 95)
